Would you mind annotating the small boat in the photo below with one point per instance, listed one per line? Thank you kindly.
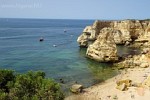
(54, 45)
(65, 31)
(41, 39)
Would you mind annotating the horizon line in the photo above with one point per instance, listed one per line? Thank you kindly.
(70, 18)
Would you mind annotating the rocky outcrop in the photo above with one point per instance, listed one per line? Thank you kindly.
(121, 37)
(132, 27)
(143, 39)
(124, 31)
(135, 61)
(104, 48)
(90, 33)
(135, 33)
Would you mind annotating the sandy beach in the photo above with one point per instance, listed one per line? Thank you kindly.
(107, 90)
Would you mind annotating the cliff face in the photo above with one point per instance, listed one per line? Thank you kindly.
(120, 32)
(90, 33)
(126, 30)
(133, 28)
(144, 38)
(104, 48)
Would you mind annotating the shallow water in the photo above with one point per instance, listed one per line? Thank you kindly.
(21, 50)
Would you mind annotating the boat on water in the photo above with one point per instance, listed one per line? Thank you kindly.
(54, 45)
(65, 30)
(41, 39)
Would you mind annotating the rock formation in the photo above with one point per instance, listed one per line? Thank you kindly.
(104, 48)
(90, 33)
(129, 27)
(144, 38)
(141, 61)
(101, 37)
(123, 85)
(124, 31)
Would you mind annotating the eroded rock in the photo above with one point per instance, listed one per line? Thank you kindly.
(135, 61)
(124, 30)
(104, 48)
(123, 85)
(134, 33)
(90, 33)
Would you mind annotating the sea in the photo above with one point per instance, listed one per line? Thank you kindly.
(59, 55)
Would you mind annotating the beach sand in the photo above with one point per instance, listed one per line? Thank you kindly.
(107, 90)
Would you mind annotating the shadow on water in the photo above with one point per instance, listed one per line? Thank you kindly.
(124, 51)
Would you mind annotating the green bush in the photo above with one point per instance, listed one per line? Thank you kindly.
(29, 86)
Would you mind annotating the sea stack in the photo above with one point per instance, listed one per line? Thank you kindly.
(104, 48)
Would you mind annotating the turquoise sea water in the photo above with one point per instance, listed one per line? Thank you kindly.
(21, 50)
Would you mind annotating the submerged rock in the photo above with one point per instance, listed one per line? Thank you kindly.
(104, 48)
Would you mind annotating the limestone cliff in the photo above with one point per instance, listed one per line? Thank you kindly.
(90, 33)
(141, 60)
(104, 48)
(144, 38)
(101, 37)
(124, 31)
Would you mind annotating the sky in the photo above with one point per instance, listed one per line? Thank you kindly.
(75, 9)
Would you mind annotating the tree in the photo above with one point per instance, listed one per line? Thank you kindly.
(29, 86)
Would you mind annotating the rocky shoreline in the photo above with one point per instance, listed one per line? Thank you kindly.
(102, 37)
(138, 89)
(101, 40)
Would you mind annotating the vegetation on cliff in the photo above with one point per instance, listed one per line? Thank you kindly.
(29, 86)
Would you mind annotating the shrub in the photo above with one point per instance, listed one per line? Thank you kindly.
(29, 86)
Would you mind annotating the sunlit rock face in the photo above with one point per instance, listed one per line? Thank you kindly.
(144, 38)
(101, 37)
(124, 31)
(129, 27)
(104, 48)
(146, 33)
(90, 33)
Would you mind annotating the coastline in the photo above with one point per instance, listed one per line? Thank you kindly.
(134, 80)
(107, 90)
